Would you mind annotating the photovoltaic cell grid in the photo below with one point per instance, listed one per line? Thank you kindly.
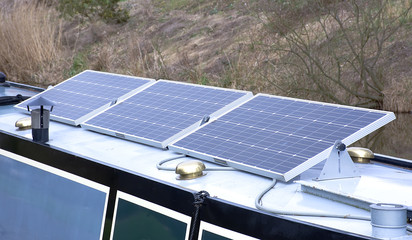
(279, 137)
(159, 112)
(86, 92)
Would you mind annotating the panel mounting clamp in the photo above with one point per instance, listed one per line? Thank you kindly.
(205, 119)
(339, 164)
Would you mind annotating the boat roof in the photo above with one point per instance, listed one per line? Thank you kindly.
(378, 182)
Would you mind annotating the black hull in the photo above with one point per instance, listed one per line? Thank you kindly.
(225, 214)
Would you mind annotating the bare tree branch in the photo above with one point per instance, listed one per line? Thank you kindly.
(333, 42)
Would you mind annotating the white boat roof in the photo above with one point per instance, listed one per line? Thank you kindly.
(378, 182)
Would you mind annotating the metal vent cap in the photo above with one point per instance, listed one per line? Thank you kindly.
(360, 155)
(190, 169)
(388, 220)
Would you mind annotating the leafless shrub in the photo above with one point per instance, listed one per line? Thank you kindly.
(398, 95)
(331, 50)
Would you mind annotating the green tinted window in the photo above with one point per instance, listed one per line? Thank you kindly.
(37, 204)
(136, 222)
(206, 235)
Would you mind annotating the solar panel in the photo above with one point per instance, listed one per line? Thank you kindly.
(87, 93)
(279, 137)
(164, 111)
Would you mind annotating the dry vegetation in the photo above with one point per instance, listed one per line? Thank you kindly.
(338, 51)
(30, 40)
(227, 43)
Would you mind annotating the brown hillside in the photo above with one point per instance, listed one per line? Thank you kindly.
(221, 43)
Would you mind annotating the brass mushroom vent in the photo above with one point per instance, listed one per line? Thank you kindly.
(23, 123)
(190, 170)
(360, 155)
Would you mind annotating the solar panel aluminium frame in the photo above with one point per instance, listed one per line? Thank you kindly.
(77, 121)
(164, 144)
(287, 176)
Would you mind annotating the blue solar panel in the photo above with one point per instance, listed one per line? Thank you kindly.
(164, 111)
(87, 93)
(279, 137)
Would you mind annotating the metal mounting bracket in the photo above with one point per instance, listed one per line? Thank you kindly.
(205, 119)
(113, 102)
(339, 164)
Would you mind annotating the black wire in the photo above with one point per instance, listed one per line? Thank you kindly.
(9, 100)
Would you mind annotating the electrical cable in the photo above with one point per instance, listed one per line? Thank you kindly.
(301, 213)
(160, 167)
(9, 100)
(258, 199)
(220, 169)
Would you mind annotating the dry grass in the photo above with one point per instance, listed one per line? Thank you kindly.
(148, 61)
(30, 42)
